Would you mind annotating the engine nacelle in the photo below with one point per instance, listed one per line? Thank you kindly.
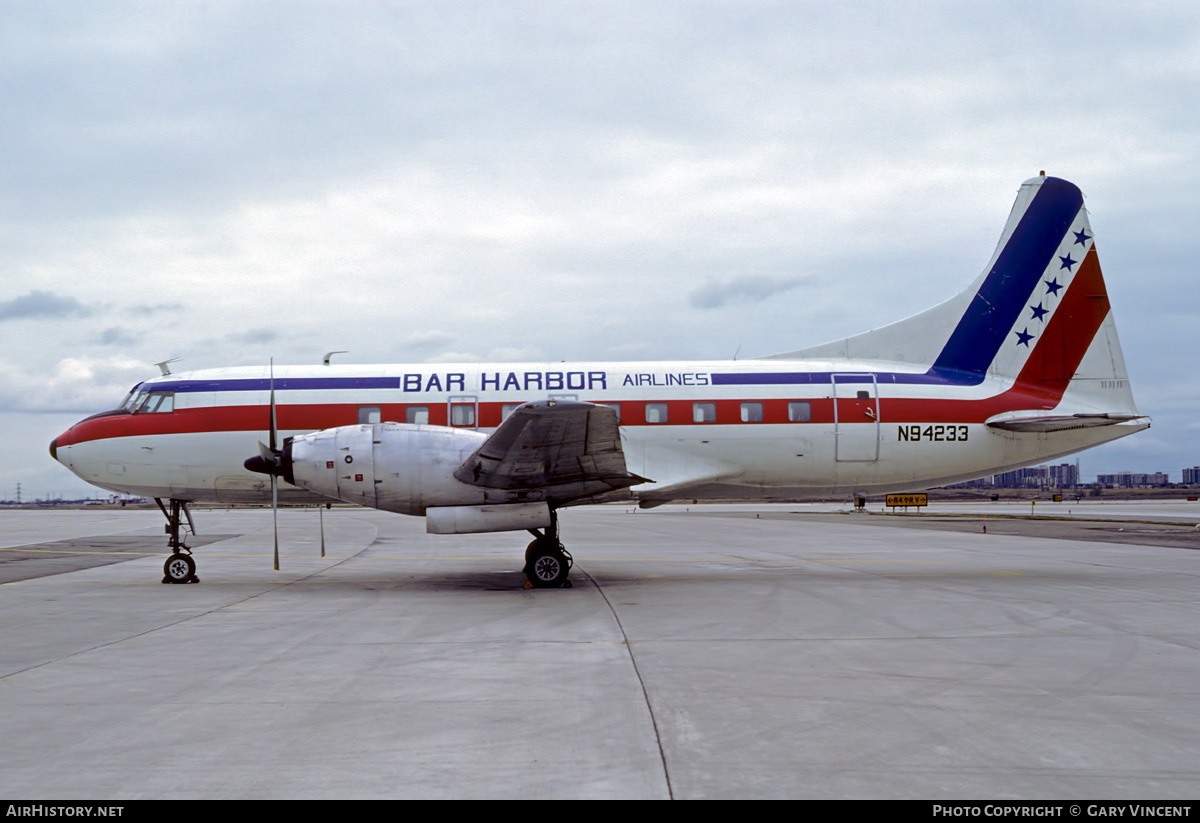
(507, 517)
(397, 467)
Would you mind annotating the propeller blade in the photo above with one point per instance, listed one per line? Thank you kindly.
(275, 460)
(275, 515)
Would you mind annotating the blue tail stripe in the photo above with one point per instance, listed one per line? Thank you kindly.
(974, 343)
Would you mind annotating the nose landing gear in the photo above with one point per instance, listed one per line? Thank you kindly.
(180, 567)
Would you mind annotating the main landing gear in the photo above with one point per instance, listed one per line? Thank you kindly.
(180, 567)
(547, 563)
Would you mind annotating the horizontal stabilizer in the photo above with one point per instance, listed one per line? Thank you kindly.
(1036, 421)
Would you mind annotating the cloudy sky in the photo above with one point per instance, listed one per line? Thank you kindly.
(436, 181)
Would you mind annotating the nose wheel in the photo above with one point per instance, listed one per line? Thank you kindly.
(180, 568)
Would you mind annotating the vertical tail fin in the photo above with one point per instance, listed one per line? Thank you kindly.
(1039, 313)
(1024, 283)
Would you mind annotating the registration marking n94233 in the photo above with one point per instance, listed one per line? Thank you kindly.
(938, 433)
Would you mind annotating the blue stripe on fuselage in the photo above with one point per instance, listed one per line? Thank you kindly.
(818, 377)
(281, 384)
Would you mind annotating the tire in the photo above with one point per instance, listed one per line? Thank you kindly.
(179, 568)
(547, 567)
(529, 552)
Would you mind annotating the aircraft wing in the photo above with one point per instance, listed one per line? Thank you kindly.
(567, 448)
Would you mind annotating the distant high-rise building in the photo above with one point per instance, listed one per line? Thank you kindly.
(1064, 475)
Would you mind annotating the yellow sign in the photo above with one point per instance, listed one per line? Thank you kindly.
(920, 499)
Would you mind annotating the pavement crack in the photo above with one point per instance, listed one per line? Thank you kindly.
(662, 756)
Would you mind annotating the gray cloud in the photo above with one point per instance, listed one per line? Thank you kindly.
(427, 339)
(41, 304)
(746, 289)
(251, 336)
(154, 308)
(116, 336)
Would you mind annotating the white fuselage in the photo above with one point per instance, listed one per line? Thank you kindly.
(708, 429)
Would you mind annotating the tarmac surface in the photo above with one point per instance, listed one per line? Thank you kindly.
(704, 651)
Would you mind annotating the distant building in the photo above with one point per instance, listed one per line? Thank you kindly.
(1064, 475)
(1133, 480)
(1191, 477)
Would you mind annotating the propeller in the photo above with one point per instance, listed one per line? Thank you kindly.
(273, 461)
(276, 462)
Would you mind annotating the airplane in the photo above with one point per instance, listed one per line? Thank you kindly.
(1022, 366)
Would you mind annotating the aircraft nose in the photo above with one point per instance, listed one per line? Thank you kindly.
(60, 447)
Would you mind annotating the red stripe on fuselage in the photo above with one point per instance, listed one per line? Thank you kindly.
(1040, 385)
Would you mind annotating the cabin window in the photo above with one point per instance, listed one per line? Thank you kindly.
(369, 414)
(656, 412)
(704, 412)
(864, 395)
(509, 408)
(752, 412)
(417, 415)
(614, 406)
(799, 411)
(462, 414)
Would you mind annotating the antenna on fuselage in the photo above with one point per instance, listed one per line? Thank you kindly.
(329, 355)
(162, 367)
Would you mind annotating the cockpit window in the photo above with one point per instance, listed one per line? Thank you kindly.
(127, 404)
(154, 402)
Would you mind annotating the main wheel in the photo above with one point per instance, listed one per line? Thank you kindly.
(547, 566)
(179, 568)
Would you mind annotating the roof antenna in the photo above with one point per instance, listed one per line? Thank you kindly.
(735, 354)
(330, 354)
(163, 366)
